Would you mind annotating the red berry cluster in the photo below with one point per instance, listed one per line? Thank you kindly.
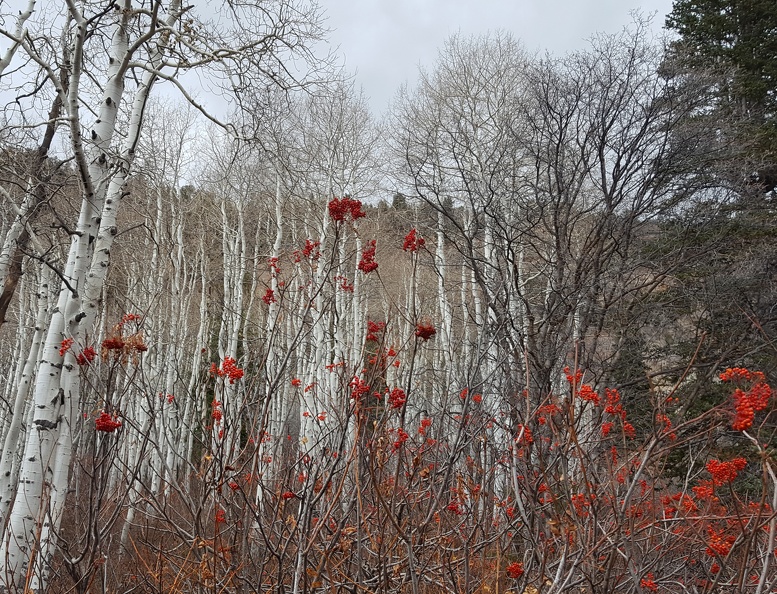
(747, 403)
(402, 437)
(719, 543)
(217, 414)
(221, 516)
(340, 208)
(424, 331)
(367, 264)
(344, 284)
(397, 398)
(130, 317)
(373, 329)
(106, 422)
(310, 251)
(587, 393)
(413, 241)
(725, 472)
(358, 388)
(648, 582)
(523, 435)
(65, 345)
(228, 369)
(124, 344)
(514, 570)
(269, 297)
(114, 343)
(86, 356)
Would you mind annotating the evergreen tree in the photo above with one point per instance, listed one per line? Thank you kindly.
(737, 41)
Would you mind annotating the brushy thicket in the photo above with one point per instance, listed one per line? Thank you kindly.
(577, 501)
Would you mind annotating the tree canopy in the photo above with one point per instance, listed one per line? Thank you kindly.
(737, 40)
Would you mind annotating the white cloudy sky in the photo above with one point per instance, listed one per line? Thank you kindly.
(384, 41)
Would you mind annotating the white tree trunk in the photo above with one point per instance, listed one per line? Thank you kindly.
(10, 459)
(40, 494)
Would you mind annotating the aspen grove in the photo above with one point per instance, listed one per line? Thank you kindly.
(232, 360)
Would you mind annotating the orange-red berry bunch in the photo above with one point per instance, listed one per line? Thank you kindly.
(106, 422)
(373, 329)
(413, 241)
(397, 398)
(725, 472)
(747, 403)
(367, 264)
(424, 331)
(340, 208)
(228, 369)
(515, 570)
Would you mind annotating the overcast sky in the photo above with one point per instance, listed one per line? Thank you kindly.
(384, 41)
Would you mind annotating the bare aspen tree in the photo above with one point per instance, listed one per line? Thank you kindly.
(102, 65)
(10, 461)
(545, 170)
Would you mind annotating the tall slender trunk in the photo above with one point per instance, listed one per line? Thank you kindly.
(10, 459)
